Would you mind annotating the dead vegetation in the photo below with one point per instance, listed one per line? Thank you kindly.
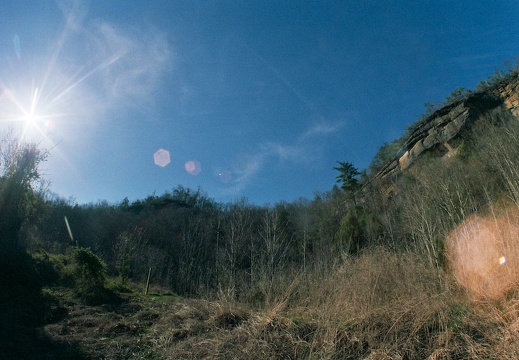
(379, 305)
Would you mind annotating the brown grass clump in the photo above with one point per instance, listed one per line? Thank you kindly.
(383, 305)
(109, 331)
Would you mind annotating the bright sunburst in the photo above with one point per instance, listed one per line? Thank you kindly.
(40, 98)
(30, 117)
(21, 109)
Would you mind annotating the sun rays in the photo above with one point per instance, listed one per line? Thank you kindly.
(48, 94)
(62, 89)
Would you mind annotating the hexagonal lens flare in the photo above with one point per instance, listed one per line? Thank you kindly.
(161, 157)
(193, 167)
(225, 176)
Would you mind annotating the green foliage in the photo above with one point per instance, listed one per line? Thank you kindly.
(251, 254)
(88, 272)
(19, 177)
(348, 178)
(328, 210)
(180, 197)
(116, 285)
(358, 229)
(430, 108)
(18, 276)
(458, 94)
(50, 268)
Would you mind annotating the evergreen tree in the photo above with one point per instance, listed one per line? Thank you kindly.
(348, 178)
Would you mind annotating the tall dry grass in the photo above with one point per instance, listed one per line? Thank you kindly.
(384, 305)
(378, 305)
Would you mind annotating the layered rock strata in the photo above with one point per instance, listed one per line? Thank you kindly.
(446, 123)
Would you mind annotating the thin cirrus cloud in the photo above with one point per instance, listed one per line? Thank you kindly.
(321, 129)
(141, 60)
(130, 64)
(306, 149)
(116, 65)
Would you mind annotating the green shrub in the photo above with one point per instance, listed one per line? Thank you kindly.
(50, 268)
(88, 273)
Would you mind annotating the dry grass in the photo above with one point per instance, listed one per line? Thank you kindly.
(379, 305)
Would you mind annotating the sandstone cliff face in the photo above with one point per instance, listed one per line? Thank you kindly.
(509, 93)
(446, 123)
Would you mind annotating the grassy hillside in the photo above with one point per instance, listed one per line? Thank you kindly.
(377, 306)
(418, 263)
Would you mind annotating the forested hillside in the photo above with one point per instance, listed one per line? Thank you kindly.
(414, 257)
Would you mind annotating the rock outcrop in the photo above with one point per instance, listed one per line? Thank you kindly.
(445, 124)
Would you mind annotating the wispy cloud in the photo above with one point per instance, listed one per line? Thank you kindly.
(305, 150)
(282, 152)
(245, 171)
(109, 65)
(321, 129)
(135, 61)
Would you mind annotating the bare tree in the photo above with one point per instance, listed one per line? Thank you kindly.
(276, 240)
(237, 230)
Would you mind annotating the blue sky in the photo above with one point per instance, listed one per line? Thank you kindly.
(254, 99)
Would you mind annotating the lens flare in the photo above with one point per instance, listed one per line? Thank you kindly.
(225, 176)
(49, 125)
(193, 167)
(483, 254)
(161, 157)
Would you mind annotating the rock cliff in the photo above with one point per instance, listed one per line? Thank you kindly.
(439, 129)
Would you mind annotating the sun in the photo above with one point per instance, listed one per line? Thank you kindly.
(32, 124)
(30, 119)
(29, 115)
(24, 110)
